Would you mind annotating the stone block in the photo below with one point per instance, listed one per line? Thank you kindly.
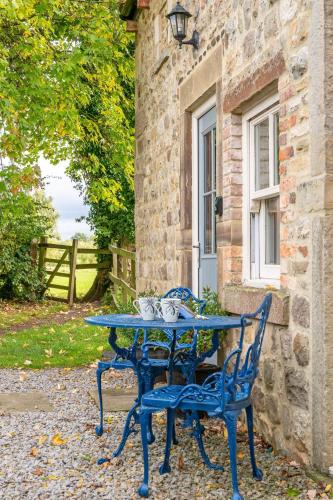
(300, 311)
(297, 387)
(115, 399)
(272, 409)
(24, 401)
(268, 373)
(240, 299)
(301, 349)
(258, 399)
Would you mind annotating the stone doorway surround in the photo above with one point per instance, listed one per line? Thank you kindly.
(203, 83)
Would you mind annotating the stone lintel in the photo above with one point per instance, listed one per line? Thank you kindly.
(241, 299)
(252, 83)
(201, 83)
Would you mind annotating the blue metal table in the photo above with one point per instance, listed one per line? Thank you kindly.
(126, 321)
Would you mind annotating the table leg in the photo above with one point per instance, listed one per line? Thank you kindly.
(132, 417)
(172, 355)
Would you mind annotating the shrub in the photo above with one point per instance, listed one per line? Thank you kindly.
(25, 215)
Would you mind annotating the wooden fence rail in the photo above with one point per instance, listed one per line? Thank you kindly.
(122, 275)
(119, 266)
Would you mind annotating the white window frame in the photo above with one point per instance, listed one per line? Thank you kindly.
(264, 274)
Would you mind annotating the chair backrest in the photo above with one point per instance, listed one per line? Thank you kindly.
(238, 375)
(186, 295)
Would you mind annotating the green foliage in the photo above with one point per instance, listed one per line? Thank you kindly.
(213, 306)
(25, 215)
(67, 91)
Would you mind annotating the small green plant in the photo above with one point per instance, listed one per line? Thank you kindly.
(213, 308)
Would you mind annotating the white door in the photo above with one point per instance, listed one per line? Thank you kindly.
(207, 262)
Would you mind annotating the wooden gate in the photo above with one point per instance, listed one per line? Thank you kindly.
(119, 265)
(69, 261)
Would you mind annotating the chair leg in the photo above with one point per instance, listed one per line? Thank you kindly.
(100, 369)
(127, 429)
(165, 467)
(257, 473)
(149, 387)
(143, 490)
(231, 422)
(174, 436)
(197, 433)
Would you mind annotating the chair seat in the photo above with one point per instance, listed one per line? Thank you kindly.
(164, 397)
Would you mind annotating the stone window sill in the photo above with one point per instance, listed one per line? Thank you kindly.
(242, 299)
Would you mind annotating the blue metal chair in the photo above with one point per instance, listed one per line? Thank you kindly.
(223, 395)
(183, 356)
(125, 359)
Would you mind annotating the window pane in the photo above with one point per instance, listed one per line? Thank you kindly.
(276, 148)
(272, 229)
(208, 223)
(253, 237)
(208, 162)
(261, 138)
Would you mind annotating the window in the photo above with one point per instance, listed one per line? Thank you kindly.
(261, 222)
(209, 191)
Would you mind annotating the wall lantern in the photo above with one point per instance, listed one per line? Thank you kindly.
(178, 18)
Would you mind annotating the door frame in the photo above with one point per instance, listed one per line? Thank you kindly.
(196, 115)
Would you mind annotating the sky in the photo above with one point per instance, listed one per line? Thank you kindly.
(66, 199)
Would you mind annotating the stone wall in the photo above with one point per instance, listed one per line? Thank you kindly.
(248, 49)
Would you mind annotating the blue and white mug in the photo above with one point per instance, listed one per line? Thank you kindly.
(146, 307)
(168, 309)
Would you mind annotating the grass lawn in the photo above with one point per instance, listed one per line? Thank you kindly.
(67, 345)
(14, 313)
(84, 280)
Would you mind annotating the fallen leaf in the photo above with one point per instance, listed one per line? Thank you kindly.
(27, 362)
(328, 488)
(100, 348)
(42, 440)
(61, 387)
(180, 462)
(34, 452)
(38, 471)
(23, 376)
(57, 440)
(294, 464)
(240, 455)
(311, 494)
(109, 420)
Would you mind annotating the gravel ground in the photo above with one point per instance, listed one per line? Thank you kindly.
(53, 455)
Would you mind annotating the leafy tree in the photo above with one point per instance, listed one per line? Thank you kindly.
(66, 88)
(80, 236)
(25, 215)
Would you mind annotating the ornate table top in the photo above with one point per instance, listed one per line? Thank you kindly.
(134, 321)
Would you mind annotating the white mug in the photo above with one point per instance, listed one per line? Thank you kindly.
(168, 309)
(146, 307)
